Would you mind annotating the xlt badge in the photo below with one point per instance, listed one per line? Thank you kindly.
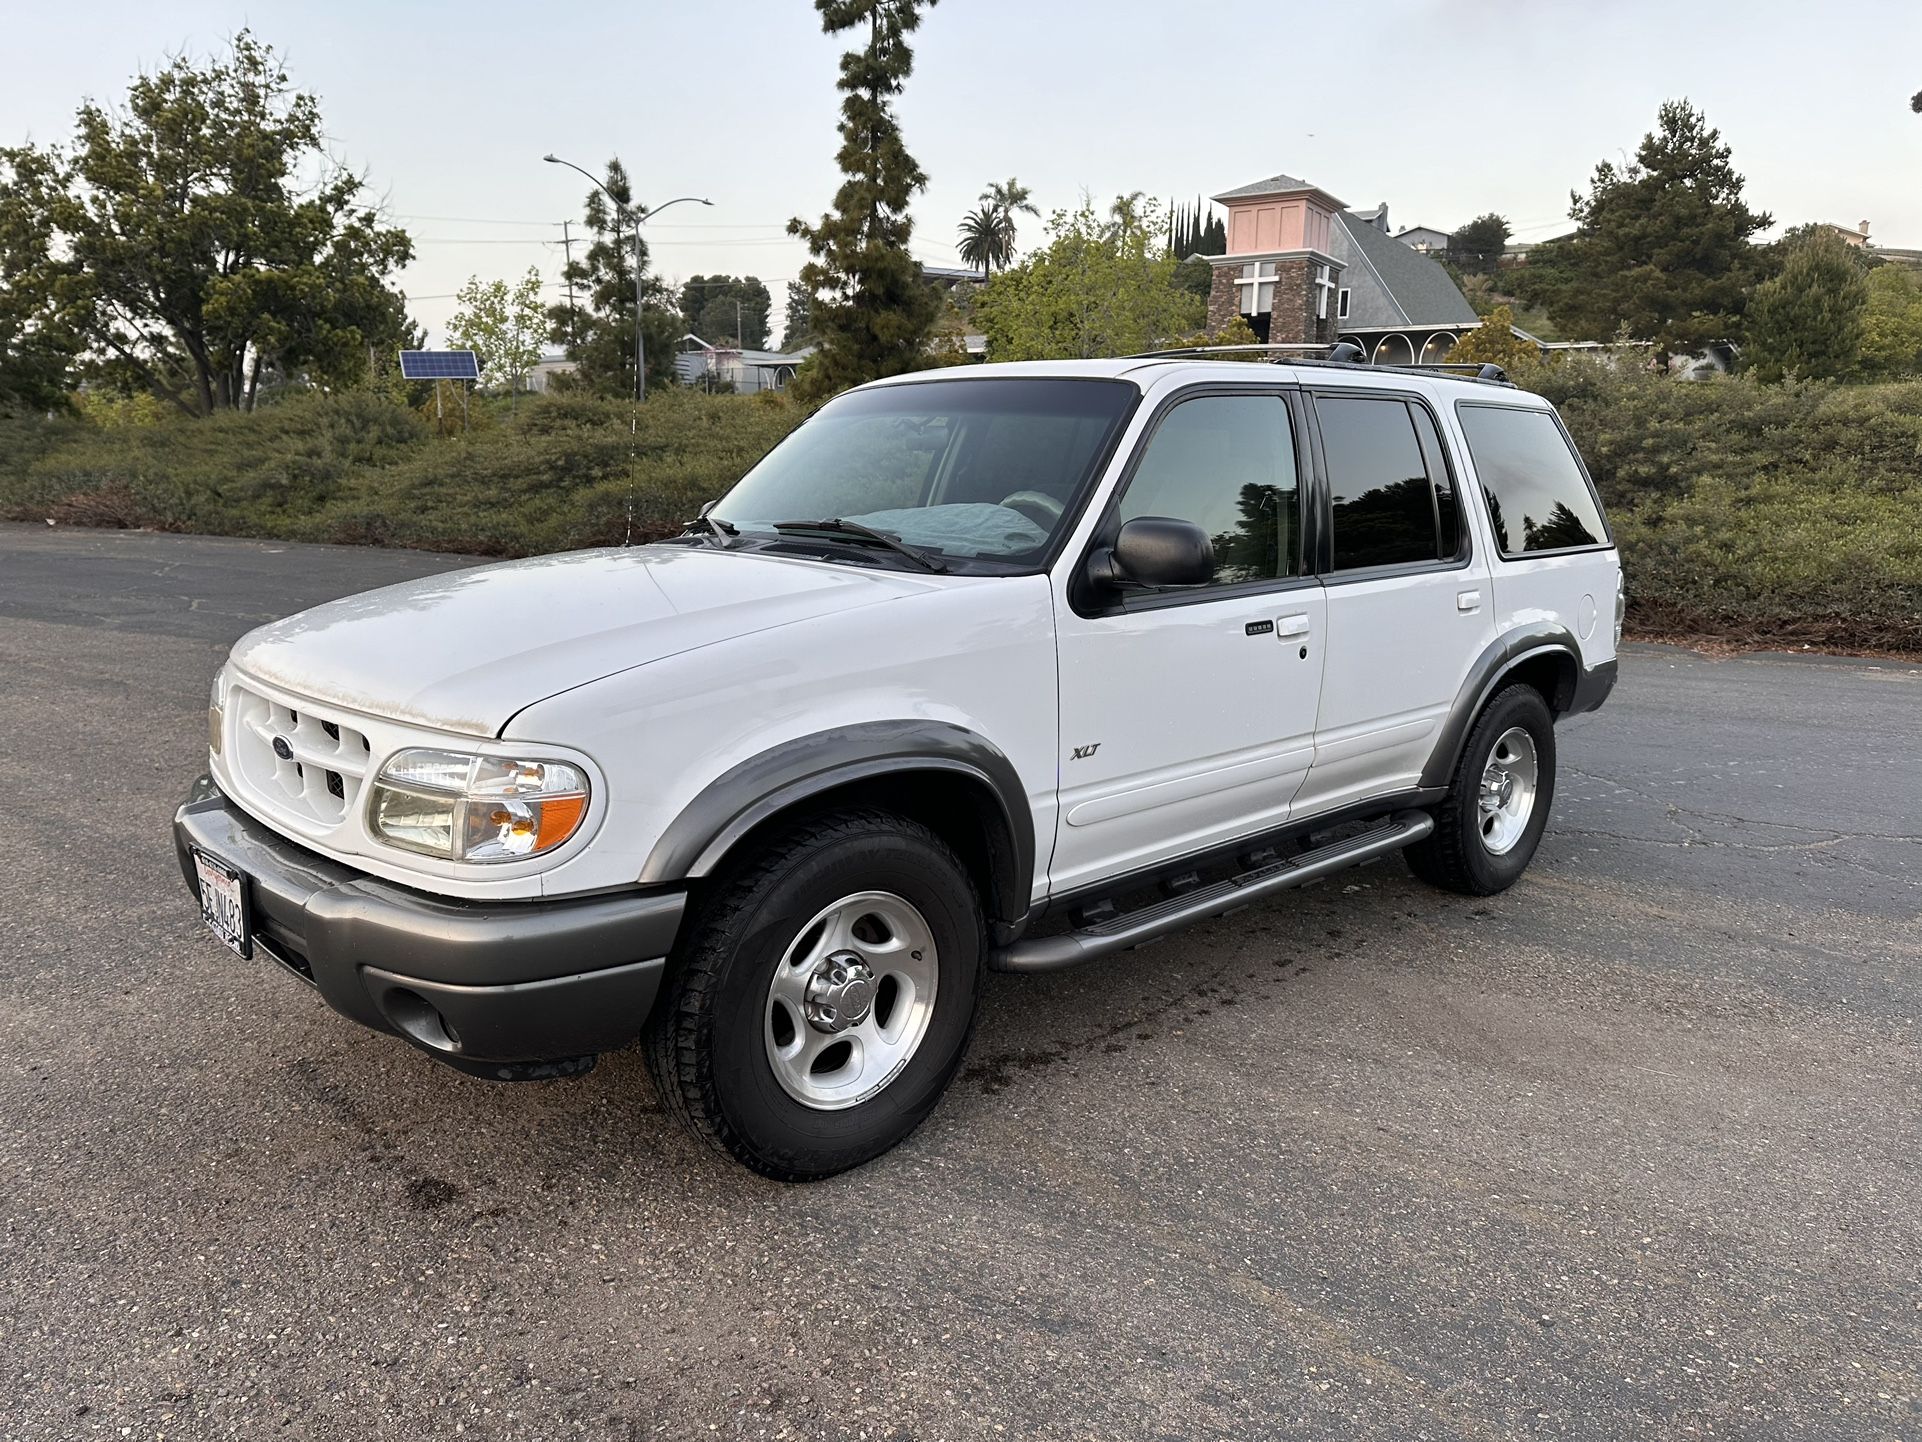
(1082, 753)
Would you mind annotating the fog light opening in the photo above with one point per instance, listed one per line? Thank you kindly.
(418, 1018)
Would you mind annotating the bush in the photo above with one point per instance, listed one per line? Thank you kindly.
(545, 474)
(1765, 512)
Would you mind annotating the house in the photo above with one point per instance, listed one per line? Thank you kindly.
(1856, 235)
(1302, 269)
(1424, 238)
(947, 277)
(544, 371)
(700, 364)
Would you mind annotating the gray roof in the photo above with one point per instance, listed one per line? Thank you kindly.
(1273, 185)
(1419, 288)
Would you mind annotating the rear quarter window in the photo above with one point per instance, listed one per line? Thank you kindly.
(1538, 498)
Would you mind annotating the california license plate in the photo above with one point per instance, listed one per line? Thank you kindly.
(223, 903)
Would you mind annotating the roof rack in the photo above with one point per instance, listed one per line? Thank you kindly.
(1336, 356)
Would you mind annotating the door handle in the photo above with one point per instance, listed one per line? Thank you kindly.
(1289, 626)
(1468, 601)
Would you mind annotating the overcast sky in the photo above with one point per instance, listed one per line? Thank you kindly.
(1442, 108)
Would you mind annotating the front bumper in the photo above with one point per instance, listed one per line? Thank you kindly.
(500, 989)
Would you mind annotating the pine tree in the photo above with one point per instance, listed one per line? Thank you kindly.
(1663, 249)
(873, 311)
(598, 328)
(1807, 321)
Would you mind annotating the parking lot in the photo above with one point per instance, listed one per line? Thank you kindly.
(1632, 1151)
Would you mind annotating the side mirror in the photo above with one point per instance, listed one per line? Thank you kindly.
(1155, 551)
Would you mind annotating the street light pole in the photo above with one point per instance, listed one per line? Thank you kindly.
(638, 213)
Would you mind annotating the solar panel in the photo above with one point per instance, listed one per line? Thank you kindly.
(439, 365)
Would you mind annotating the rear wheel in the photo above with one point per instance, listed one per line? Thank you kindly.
(824, 996)
(1488, 827)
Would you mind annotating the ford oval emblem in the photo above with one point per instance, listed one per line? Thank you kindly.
(283, 748)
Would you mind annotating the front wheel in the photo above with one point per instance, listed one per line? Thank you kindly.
(824, 996)
(1488, 826)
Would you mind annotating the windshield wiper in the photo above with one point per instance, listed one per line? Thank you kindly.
(706, 525)
(854, 530)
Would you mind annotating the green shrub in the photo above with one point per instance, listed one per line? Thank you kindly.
(546, 474)
(1759, 511)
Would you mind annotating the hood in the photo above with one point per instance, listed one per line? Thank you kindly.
(466, 650)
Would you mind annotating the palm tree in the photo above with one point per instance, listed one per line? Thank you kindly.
(984, 240)
(1007, 199)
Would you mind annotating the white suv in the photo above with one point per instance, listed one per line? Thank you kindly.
(1008, 668)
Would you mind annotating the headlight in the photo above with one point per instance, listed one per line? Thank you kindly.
(476, 808)
(214, 717)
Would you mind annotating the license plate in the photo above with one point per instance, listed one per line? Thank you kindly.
(223, 903)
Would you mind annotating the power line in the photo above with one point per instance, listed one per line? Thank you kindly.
(555, 224)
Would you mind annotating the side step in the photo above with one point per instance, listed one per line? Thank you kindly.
(1051, 953)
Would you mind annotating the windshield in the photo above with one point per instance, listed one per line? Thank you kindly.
(961, 469)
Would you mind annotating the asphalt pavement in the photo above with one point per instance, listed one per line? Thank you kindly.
(1631, 1151)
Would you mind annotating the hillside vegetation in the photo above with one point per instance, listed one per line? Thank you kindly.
(1779, 514)
(1775, 514)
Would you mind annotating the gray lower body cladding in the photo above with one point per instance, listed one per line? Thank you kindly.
(495, 988)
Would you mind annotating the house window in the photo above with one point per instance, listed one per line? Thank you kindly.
(1257, 285)
(1341, 304)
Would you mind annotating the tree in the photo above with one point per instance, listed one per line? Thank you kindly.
(797, 323)
(502, 325)
(203, 233)
(1477, 246)
(598, 327)
(1892, 322)
(1197, 231)
(1494, 342)
(727, 309)
(983, 241)
(1006, 199)
(38, 339)
(1807, 321)
(872, 310)
(1662, 249)
(1099, 287)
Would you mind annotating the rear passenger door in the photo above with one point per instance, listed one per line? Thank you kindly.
(1408, 603)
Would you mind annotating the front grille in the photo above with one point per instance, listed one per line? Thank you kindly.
(299, 761)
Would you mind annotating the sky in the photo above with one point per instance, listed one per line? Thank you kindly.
(1444, 109)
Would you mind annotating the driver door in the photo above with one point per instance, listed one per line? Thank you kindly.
(1188, 715)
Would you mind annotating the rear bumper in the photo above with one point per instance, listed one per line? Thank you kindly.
(507, 989)
(1592, 685)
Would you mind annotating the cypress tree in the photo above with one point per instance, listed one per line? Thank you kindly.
(873, 312)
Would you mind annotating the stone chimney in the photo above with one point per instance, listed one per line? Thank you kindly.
(1278, 273)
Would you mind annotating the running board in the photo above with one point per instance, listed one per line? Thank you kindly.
(1051, 953)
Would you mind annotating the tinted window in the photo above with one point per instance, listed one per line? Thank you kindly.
(1227, 463)
(1382, 504)
(1448, 511)
(1537, 495)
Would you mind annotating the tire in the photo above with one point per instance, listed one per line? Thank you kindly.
(756, 1045)
(1473, 850)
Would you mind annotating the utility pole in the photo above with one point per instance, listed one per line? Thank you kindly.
(567, 248)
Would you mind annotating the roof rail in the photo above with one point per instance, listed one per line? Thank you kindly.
(1206, 350)
(1338, 356)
